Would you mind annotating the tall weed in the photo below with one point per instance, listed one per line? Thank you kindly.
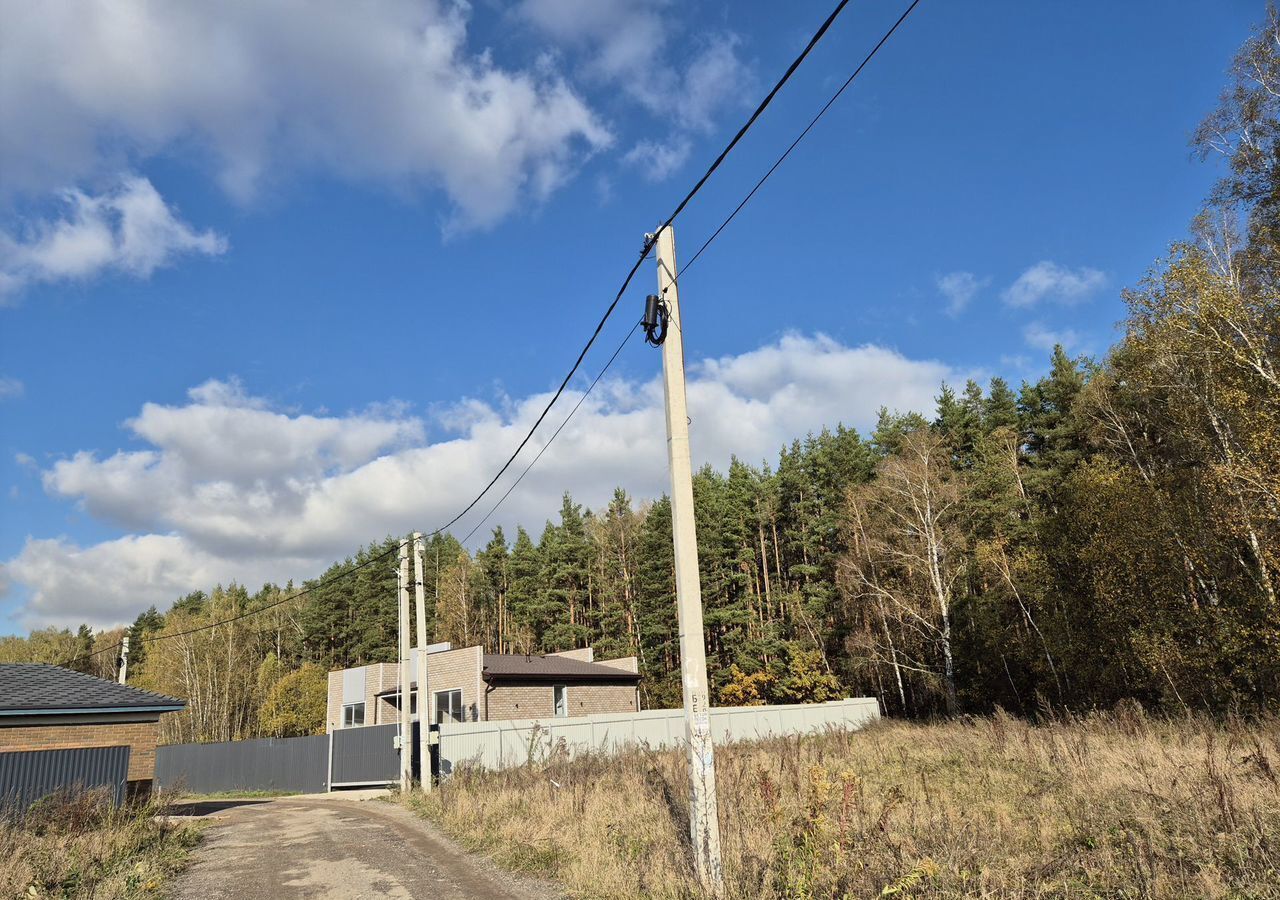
(1116, 805)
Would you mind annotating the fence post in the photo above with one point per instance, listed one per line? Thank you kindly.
(328, 778)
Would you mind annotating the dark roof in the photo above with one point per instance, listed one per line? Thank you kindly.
(542, 670)
(36, 688)
(518, 667)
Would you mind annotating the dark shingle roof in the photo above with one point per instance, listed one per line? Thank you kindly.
(35, 688)
(518, 667)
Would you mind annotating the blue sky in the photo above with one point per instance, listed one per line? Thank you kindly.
(274, 284)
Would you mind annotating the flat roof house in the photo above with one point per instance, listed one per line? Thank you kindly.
(469, 685)
(45, 707)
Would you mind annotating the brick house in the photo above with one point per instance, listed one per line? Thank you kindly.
(45, 707)
(469, 685)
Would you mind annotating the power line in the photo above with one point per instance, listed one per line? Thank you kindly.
(244, 615)
(707, 243)
(800, 137)
(648, 245)
(626, 282)
(554, 435)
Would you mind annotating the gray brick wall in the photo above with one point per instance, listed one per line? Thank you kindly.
(514, 701)
(458, 670)
(511, 701)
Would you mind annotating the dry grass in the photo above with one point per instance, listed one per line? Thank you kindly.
(80, 846)
(1112, 806)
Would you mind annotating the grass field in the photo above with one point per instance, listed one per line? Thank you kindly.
(81, 847)
(1109, 806)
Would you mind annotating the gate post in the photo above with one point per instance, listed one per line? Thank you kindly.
(328, 778)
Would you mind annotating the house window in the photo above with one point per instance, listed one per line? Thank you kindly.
(449, 707)
(352, 715)
(560, 698)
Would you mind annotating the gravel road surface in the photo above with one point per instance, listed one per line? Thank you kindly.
(333, 848)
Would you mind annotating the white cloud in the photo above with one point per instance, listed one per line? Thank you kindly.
(387, 91)
(1042, 338)
(230, 488)
(959, 288)
(109, 583)
(715, 77)
(632, 46)
(11, 388)
(128, 229)
(1047, 280)
(657, 161)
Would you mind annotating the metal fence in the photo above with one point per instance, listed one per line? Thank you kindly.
(28, 775)
(350, 757)
(363, 756)
(269, 764)
(307, 765)
(496, 745)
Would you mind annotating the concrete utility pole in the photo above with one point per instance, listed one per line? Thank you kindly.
(424, 703)
(123, 676)
(704, 821)
(406, 673)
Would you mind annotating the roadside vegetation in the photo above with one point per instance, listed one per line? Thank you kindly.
(80, 845)
(1111, 805)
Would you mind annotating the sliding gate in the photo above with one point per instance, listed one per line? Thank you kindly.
(367, 756)
(347, 757)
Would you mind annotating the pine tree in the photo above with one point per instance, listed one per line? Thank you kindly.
(564, 600)
(494, 563)
(525, 570)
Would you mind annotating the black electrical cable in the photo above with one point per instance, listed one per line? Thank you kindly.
(348, 572)
(657, 334)
(814, 121)
(252, 612)
(554, 435)
(648, 246)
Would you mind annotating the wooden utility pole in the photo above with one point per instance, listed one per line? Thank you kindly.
(424, 702)
(123, 675)
(704, 822)
(406, 673)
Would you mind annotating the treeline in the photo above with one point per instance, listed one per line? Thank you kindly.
(1108, 531)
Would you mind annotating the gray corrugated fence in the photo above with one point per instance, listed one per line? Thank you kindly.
(359, 756)
(268, 764)
(496, 745)
(28, 775)
(367, 755)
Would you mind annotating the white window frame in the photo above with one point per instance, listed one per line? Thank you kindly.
(560, 701)
(348, 714)
(444, 700)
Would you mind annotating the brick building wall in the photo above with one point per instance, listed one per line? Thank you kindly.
(446, 670)
(333, 710)
(139, 736)
(458, 670)
(519, 701)
(381, 677)
(584, 654)
(589, 699)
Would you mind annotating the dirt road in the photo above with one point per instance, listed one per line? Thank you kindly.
(334, 849)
